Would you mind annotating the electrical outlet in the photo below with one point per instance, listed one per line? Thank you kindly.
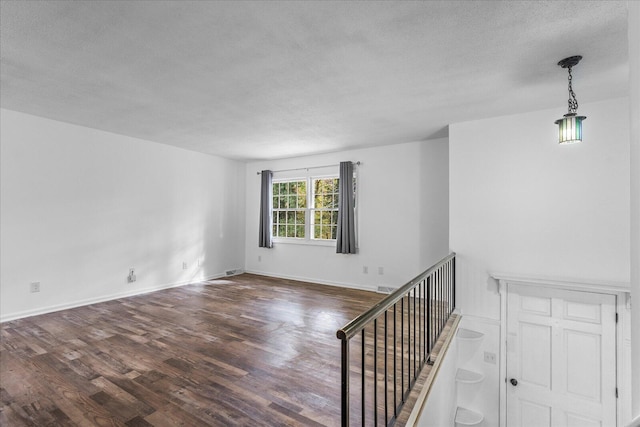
(184, 265)
(365, 269)
(259, 258)
(490, 357)
(381, 270)
(132, 276)
(35, 286)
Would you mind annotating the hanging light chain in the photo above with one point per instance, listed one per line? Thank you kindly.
(573, 102)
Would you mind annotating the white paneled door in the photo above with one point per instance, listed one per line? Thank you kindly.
(561, 358)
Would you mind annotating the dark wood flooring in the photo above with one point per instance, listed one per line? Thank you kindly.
(245, 350)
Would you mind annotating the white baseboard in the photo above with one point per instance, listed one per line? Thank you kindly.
(104, 298)
(313, 280)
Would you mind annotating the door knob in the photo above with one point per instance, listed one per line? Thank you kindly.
(513, 381)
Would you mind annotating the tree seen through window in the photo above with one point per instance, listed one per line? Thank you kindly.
(325, 208)
(300, 214)
(289, 209)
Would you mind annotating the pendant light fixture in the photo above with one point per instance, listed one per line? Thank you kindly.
(570, 126)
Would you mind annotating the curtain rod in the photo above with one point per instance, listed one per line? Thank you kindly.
(306, 169)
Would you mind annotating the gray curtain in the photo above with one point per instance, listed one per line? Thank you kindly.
(346, 233)
(266, 202)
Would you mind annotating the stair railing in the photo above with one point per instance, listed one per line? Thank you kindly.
(412, 317)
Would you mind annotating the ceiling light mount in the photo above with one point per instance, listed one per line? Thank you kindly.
(569, 62)
(570, 126)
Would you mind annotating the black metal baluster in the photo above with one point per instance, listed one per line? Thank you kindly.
(395, 364)
(425, 312)
(419, 323)
(402, 350)
(438, 297)
(441, 299)
(453, 283)
(444, 295)
(386, 378)
(345, 382)
(436, 292)
(375, 371)
(414, 334)
(448, 289)
(429, 281)
(453, 267)
(445, 306)
(449, 286)
(448, 266)
(435, 307)
(453, 287)
(363, 382)
(409, 341)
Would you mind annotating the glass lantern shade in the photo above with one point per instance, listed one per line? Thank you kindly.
(570, 129)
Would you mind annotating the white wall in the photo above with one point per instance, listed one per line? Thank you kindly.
(79, 207)
(447, 394)
(522, 204)
(634, 98)
(403, 218)
(483, 397)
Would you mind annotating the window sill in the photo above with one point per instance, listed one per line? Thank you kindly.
(305, 242)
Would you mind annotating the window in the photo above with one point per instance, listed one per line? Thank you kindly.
(306, 208)
(325, 208)
(289, 208)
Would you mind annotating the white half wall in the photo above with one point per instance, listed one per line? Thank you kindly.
(439, 408)
(79, 207)
(402, 218)
(522, 204)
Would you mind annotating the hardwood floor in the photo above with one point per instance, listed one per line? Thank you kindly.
(245, 350)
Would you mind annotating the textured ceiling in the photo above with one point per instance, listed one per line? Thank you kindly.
(259, 80)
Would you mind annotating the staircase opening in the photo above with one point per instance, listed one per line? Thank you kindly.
(386, 348)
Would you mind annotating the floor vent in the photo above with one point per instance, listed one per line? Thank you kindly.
(385, 289)
(233, 272)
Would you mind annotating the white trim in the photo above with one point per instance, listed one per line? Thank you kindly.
(313, 280)
(89, 301)
(304, 242)
(309, 211)
(612, 287)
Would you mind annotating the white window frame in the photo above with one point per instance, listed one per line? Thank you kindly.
(309, 210)
(274, 210)
(312, 208)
